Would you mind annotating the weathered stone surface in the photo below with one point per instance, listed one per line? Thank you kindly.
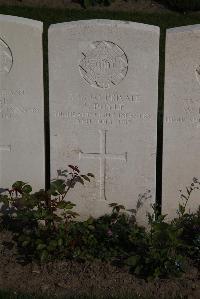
(103, 106)
(21, 102)
(181, 118)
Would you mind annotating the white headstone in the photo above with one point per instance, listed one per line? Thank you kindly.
(103, 106)
(181, 118)
(21, 102)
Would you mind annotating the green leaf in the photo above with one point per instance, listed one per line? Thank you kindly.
(113, 204)
(54, 193)
(58, 182)
(44, 255)
(25, 243)
(181, 209)
(41, 247)
(57, 187)
(161, 218)
(57, 218)
(80, 180)
(27, 189)
(4, 199)
(90, 220)
(85, 177)
(18, 185)
(138, 270)
(65, 205)
(121, 207)
(183, 196)
(63, 173)
(60, 242)
(53, 243)
(72, 213)
(91, 175)
(91, 227)
(132, 260)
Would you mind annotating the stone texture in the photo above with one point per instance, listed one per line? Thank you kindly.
(21, 102)
(103, 106)
(181, 118)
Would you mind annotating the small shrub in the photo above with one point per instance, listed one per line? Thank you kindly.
(158, 254)
(45, 228)
(105, 238)
(190, 224)
(43, 217)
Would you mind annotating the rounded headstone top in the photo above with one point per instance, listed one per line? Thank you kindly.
(23, 21)
(105, 22)
(184, 29)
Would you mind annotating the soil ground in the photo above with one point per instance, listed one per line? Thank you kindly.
(92, 278)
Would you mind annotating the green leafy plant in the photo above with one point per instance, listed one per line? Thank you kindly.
(47, 228)
(158, 252)
(185, 197)
(43, 216)
(190, 224)
(190, 235)
(105, 237)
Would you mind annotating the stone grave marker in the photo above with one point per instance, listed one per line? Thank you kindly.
(21, 102)
(103, 110)
(181, 118)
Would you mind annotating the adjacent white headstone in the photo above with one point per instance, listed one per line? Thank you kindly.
(103, 107)
(21, 102)
(182, 117)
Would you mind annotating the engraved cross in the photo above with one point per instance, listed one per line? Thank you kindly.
(102, 156)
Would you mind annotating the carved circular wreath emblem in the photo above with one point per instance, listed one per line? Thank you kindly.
(104, 64)
(197, 72)
(6, 58)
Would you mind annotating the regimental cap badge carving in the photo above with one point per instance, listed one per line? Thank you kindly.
(6, 58)
(104, 64)
(197, 73)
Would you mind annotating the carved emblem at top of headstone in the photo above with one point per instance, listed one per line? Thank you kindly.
(6, 58)
(197, 72)
(104, 64)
